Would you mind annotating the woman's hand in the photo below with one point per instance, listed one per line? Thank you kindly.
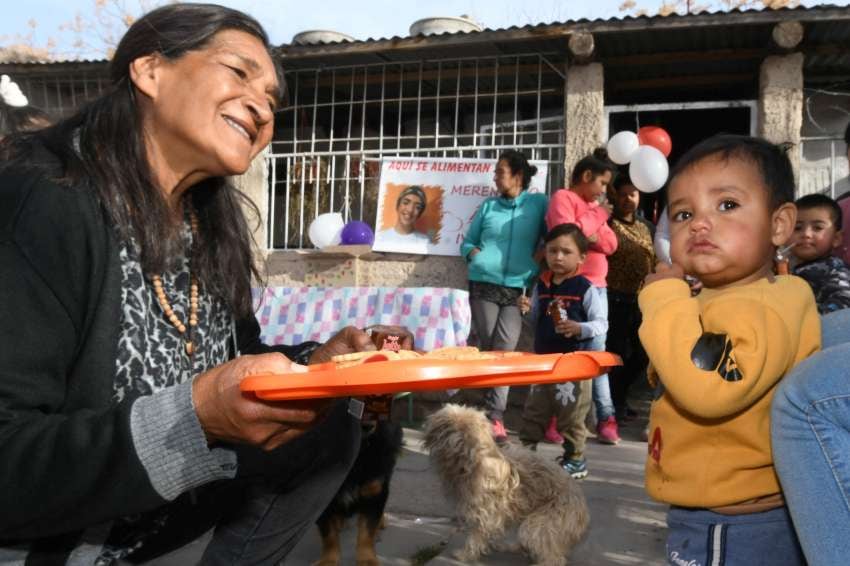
(474, 252)
(227, 414)
(346, 341)
(568, 328)
(524, 304)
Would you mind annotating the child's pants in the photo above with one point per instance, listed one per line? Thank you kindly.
(698, 537)
(569, 402)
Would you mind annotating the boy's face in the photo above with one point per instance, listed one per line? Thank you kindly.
(563, 256)
(722, 230)
(815, 235)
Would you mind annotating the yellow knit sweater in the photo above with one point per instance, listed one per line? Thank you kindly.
(709, 440)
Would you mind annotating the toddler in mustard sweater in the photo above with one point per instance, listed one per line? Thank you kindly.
(720, 355)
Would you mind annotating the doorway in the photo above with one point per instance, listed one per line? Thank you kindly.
(687, 123)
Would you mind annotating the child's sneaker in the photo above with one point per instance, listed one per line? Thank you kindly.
(576, 467)
(552, 436)
(606, 431)
(500, 435)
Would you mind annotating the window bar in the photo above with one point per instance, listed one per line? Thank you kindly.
(332, 170)
(457, 103)
(383, 96)
(475, 109)
(272, 161)
(348, 146)
(315, 114)
(59, 96)
(289, 161)
(495, 101)
(400, 108)
(331, 183)
(516, 97)
(419, 105)
(295, 116)
(362, 180)
(539, 89)
(316, 181)
(437, 105)
(301, 201)
(363, 111)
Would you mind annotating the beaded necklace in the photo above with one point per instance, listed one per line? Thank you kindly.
(193, 296)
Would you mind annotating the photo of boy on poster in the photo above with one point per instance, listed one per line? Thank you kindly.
(403, 235)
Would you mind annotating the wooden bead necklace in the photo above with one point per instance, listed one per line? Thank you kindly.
(193, 296)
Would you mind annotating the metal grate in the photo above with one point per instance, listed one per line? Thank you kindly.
(342, 120)
(824, 167)
(61, 94)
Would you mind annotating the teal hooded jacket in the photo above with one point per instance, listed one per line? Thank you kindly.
(507, 232)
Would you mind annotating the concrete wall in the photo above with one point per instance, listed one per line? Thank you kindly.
(344, 266)
(585, 116)
(781, 102)
(254, 184)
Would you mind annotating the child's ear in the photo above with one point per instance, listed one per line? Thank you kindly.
(581, 258)
(783, 220)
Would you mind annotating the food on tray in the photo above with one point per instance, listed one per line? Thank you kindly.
(448, 353)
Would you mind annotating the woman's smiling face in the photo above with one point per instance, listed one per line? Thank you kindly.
(212, 109)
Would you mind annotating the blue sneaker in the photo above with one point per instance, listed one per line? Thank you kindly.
(577, 468)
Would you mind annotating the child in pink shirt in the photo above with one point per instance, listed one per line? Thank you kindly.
(584, 204)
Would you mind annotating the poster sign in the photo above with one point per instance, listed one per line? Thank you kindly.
(425, 205)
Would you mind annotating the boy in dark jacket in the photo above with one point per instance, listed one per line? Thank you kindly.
(817, 235)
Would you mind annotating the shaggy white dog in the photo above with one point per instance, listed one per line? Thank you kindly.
(499, 488)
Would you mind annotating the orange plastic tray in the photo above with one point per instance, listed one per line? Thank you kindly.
(377, 376)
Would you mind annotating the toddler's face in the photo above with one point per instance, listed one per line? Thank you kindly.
(721, 226)
(563, 256)
(815, 235)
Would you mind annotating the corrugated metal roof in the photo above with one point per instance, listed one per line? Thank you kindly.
(600, 24)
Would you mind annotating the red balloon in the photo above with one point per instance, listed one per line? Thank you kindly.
(657, 138)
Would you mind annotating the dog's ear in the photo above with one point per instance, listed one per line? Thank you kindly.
(497, 475)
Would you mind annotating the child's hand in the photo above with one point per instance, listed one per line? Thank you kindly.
(568, 328)
(664, 271)
(524, 304)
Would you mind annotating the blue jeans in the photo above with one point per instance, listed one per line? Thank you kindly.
(601, 388)
(810, 428)
(704, 538)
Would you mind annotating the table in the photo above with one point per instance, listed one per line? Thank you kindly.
(437, 316)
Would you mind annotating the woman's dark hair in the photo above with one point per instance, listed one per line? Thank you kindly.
(518, 163)
(622, 178)
(102, 145)
(416, 191)
(597, 163)
(821, 201)
(770, 159)
(571, 230)
(14, 119)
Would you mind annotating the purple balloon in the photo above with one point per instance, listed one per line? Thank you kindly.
(357, 232)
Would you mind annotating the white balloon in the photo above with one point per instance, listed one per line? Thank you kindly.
(622, 147)
(648, 169)
(326, 230)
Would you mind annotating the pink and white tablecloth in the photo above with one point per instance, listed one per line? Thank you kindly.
(437, 316)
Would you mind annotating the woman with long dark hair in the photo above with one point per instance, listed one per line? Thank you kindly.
(126, 271)
(499, 250)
